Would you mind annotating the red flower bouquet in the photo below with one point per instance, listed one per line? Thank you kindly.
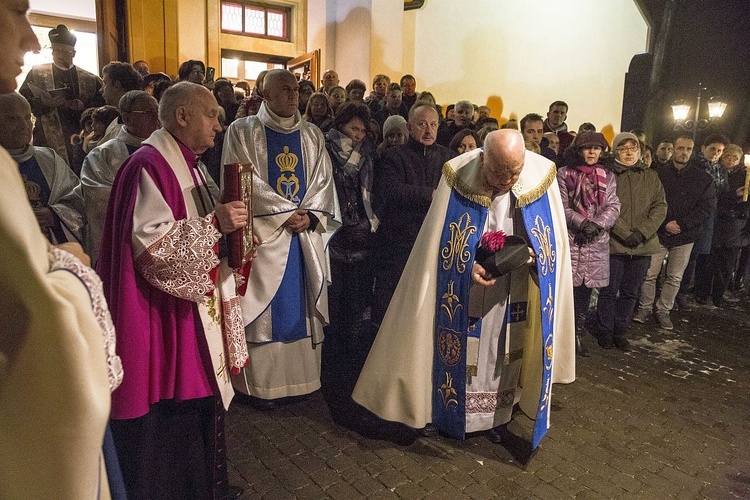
(500, 254)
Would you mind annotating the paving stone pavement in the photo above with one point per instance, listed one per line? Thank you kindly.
(668, 420)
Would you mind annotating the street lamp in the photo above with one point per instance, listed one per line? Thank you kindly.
(681, 110)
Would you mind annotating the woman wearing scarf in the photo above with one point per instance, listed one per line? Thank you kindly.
(351, 246)
(589, 196)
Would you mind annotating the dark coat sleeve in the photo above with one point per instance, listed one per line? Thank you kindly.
(393, 187)
(703, 209)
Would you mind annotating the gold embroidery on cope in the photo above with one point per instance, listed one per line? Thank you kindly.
(455, 250)
(213, 312)
(221, 373)
(547, 254)
(287, 185)
(549, 306)
(548, 352)
(449, 347)
(452, 302)
(447, 392)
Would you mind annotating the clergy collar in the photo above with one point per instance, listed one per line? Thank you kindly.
(191, 158)
(275, 122)
(23, 154)
(64, 69)
(128, 138)
(286, 122)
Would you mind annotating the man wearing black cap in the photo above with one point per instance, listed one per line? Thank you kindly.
(58, 93)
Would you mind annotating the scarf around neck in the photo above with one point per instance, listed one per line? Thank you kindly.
(586, 186)
(347, 157)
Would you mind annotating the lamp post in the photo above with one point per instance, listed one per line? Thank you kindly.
(680, 111)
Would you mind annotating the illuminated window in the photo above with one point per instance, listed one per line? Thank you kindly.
(256, 20)
(238, 65)
(230, 68)
(231, 16)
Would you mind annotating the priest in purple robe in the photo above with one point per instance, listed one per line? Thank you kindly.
(174, 305)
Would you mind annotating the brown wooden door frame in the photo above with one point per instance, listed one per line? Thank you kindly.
(111, 30)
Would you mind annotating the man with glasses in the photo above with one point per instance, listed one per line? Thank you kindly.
(58, 93)
(632, 240)
(691, 199)
(405, 181)
(140, 115)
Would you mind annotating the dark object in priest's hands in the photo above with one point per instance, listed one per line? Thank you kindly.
(238, 186)
(499, 254)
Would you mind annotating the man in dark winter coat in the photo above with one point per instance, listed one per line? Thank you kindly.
(405, 180)
(691, 199)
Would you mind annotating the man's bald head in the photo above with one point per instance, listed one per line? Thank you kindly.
(502, 159)
(281, 90)
(190, 112)
(15, 121)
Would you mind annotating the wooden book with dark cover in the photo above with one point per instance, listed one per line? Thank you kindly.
(238, 186)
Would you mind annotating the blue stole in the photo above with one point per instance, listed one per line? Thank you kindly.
(462, 229)
(537, 218)
(286, 174)
(38, 190)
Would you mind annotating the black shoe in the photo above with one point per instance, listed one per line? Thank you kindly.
(581, 349)
(428, 430)
(682, 303)
(257, 403)
(739, 284)
(701, 300)
(622, 344)
(605, 342)
(499, 434)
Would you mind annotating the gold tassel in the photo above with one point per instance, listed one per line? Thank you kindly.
(536, 193)
(454, 182)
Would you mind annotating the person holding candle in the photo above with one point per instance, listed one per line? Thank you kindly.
(731, 230)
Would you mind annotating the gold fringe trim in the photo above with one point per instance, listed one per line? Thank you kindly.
(451, 177)
(536, 193)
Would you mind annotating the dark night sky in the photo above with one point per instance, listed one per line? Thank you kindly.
(710, 43)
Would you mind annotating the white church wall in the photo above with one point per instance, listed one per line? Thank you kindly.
(524, 54)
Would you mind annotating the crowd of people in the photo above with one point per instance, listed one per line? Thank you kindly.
(367, 213)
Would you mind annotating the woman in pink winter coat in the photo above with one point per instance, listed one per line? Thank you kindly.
(589, 196)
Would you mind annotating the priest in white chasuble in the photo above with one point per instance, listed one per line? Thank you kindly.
(51, 186)
(458, 348)
(286, 304)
